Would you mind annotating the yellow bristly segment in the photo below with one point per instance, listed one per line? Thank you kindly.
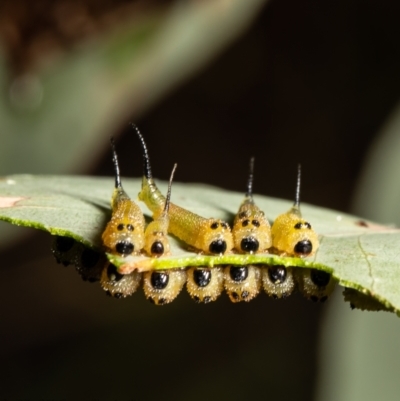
(125, 212)
(249, 212)
(285, 236)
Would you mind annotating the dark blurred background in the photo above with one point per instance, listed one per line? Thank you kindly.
(308, 82)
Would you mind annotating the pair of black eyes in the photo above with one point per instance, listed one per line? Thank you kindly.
(255, 223)
(300, 225)
(215, 225)
(121, 226)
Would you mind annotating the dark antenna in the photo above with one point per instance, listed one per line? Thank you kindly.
(116, 165)
(168, 197)
(249, 193)
(297, 198)
(146, 160)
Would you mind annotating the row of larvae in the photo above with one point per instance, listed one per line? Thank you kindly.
(242, 283)
(290, 234)
(204, 285)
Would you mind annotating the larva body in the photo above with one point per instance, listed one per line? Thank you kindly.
(242, 283)
(251, 230)
(315, 285)
(162, 287)
(211, 236)
(278, 281)
(205, 285)
(119, 285)
(124, 233)
(155, 236)
(291, 234)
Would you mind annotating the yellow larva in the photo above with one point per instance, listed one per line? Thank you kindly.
(162, 287)
(315, 285)
(124, 233)
(211, 236)
(155, 236)
(251, 230)
(205, 284)
(242, 283)
(119, 285)
(291, 234)
(278, 281)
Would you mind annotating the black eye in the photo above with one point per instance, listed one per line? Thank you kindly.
(224, 225)
(64, 244)
(130, 227)
(218, 246)
(298, 226)
(120, 227)
(202, 277)
(308, 225)
(277, 274)
(320, 278)
(214, 225)
(89, 258)
(238, 273)
(256, 223)
(124, 248)
(245, 223)
(249, 244)
(159, 280)
(113, 274)
(303, 247)
(157, 248)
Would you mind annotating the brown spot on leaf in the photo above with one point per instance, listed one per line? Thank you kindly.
(9, 201)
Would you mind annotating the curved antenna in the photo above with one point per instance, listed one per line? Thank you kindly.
(116, 165)
(249, 193)
(297, 197)
(168, 197)
(146, 160)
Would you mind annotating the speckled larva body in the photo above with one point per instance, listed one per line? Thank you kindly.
(203, 284)
(315, 285)
(162, 287)
(211, 236)
(251, 230)
(119, 285)
(291, 234)
(242, 283)
(124, 233)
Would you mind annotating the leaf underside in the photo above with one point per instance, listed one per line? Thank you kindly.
(359, 254)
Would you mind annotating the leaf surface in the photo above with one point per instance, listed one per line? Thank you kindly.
(360, 254)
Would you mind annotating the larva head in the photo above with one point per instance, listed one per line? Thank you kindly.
(124, 232)
(278, 281)
(242, 283)
(162, 287)
(315, 285)
(291, 234)
(251, 230)
(214, 237)
(205, 284)
(119, 285)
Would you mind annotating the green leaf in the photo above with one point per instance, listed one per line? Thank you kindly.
(360, 254)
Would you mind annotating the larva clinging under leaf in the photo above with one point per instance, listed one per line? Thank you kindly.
(211, 236)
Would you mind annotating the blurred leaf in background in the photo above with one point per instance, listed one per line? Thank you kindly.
(71, 72)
